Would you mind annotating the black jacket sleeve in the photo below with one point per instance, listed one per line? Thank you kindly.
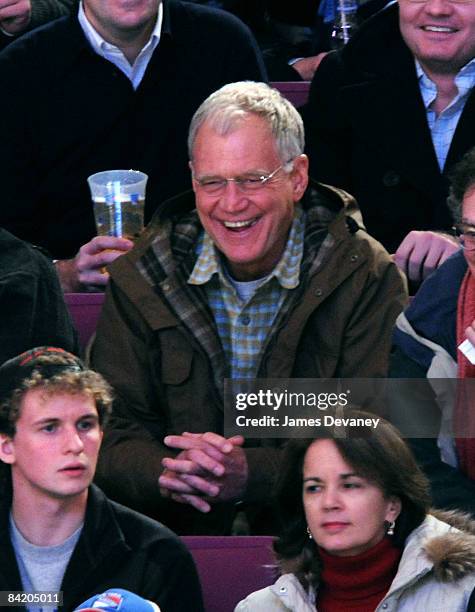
(32, 304)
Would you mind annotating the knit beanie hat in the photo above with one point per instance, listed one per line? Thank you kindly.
(15, 371)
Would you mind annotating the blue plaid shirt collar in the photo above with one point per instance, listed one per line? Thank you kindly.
(287, 271)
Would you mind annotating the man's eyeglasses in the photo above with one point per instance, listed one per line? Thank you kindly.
(247, 183)
(466, 236)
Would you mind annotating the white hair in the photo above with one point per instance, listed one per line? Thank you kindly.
(226, 108)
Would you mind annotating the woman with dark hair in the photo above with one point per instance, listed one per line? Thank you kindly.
(356, 535)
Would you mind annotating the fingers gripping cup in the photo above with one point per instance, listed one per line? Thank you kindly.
(118, 197)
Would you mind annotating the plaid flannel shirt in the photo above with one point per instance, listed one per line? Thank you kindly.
(243, 326)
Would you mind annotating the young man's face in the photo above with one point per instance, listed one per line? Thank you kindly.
(55, 448)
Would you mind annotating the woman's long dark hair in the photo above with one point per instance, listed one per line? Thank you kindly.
(381, 456)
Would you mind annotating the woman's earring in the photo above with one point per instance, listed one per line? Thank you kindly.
(390, 530)
(310, 536)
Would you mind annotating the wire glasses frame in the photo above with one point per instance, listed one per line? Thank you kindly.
(465, 237)
(247, 183)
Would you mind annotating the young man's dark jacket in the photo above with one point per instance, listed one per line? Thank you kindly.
(33, 312)
(118, 548)
(67, 112)
(367, 132)
(158, 346)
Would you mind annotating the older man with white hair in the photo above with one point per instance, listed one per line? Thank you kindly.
(256, 273)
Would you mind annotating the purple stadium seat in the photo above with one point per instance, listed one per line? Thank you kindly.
(85, 309)
(231, 567)
(295, 91)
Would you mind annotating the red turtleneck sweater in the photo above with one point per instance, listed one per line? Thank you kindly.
(357, 583)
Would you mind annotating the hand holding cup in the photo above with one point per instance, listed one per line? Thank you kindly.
(87, 270)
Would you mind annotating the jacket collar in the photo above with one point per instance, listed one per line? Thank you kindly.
(451, 547)
(9, 573)
(157, 269)
(438, 546)
(165, 254)
(101, 542)
(292, 594)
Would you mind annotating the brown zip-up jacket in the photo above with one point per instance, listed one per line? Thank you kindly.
(157, 343)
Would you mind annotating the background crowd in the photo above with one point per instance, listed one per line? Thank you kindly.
(279, 243)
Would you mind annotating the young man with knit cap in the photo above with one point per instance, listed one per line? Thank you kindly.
(58, 533)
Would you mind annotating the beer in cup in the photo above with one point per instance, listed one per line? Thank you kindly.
(118, 198)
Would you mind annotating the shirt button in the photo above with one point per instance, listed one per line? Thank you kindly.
(166, 287)
(245, 319)
(391, 179)
(385, 606)
(354, 258)
(283, 590)
(318, 292)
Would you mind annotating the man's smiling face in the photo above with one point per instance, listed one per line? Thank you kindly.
(249, 229)
(440, 34)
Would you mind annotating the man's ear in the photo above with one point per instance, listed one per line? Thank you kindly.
(7, 449)
(300, 176)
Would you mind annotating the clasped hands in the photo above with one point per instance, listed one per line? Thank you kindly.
(209, 469)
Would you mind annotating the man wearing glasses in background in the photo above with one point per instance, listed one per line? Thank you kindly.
(440, 318)
(255, 274)
(390, 116)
